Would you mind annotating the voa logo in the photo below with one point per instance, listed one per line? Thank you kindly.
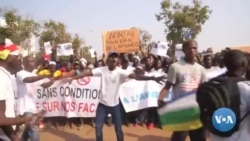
(220, 118)
(224, 119)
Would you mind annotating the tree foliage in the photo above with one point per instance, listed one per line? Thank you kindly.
(55, 33)
(18, 28)
(181, 18)
(76, 43)
(84, 52)
(145, 38)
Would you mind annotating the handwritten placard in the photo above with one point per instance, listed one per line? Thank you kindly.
(121, 41)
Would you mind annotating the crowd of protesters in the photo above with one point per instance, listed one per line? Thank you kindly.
(139, 64)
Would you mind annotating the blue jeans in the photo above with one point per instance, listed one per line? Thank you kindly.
(101, 113)
(31, 131)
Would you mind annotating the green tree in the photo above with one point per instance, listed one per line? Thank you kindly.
(76, 43)
(181, 18)
(18, 28)
(55, 32)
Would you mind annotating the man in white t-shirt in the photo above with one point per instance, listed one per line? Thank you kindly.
(26, 99)
(111, 76)
(9, 64)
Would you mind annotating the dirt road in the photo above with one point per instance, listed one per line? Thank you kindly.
(87, 133)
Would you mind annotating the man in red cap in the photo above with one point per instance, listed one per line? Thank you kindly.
(9, 64)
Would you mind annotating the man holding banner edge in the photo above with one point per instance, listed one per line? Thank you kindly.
(111, 79)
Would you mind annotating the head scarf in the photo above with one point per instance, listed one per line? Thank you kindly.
(8, 48)
(52, 63)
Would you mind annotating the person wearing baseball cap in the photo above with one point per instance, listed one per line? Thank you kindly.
(111, 77)
(9, 64)
(113, 54)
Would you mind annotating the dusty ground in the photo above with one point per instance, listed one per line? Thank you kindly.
(87, 133)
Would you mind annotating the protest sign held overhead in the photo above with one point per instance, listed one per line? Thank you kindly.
(160, 49)
(178, 51)
(64, 49)
(47, 48)
(92, 52)
(121, 41)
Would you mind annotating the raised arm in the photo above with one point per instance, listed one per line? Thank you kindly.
(49, 83)
(33, 79)
(69, 74)
(27, 77)
(141, 77)
(82, 74)
(79, 76)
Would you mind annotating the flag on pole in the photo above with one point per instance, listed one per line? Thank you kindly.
(180, 115)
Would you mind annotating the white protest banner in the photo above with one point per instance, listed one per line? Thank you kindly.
(64, 49)
(47, 48)
(78, 99)
(160, 49)
(137, 98)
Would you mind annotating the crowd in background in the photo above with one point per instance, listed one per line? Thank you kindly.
(184, 73)
(147, 64)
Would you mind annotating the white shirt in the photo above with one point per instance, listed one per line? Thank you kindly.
(110, 83)
(243, 134)
(213, 72)
(13, 78)
(130, 63)
(130, 69)
(158, 72)
(7, 95)
(26, 101)
(34, 71)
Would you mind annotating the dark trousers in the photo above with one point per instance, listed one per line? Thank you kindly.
(152, 115)
(195, 135)
(101, 113)
(141, 116)
(127, 118)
